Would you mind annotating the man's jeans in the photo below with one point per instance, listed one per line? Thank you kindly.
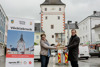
(44, 61)
(74, 63)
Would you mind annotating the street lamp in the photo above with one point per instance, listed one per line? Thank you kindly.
(68, 22)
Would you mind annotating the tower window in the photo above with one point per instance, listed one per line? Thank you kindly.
(0, 35)
(52, 26)
(37, 37)
(52, 36)
(45, 9)
(46, 18)
(35, 28)
(58, 17)
(59, 9)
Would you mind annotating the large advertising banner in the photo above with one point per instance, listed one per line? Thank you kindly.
(20, 43)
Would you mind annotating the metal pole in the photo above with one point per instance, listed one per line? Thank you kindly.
(68, 33)
(68, 30)
(62, 51)
(40, 23)
(91, 30)
(61, 38)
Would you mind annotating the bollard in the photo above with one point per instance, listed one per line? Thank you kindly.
(66, 57)
(59, 57)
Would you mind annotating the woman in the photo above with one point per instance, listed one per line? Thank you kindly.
(45, 51)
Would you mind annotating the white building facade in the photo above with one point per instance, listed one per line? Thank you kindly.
(52, 19)
(87, 34)
(97, 33)
(3, 30)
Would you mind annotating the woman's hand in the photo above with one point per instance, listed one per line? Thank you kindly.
(56, 47)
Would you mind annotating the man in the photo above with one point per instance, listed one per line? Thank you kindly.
(73, 48)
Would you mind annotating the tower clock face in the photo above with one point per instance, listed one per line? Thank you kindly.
(53, 9)
(21, 47)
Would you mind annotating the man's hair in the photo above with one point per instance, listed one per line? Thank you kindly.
(73, 30)
(43, 35)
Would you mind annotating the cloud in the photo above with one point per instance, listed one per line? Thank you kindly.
(76, 10)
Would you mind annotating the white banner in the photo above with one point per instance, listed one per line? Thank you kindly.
(20, 43)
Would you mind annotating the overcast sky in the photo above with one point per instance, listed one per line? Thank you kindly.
(76, 10)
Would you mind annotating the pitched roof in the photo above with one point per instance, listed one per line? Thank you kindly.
(37, 27)
(53, 2)
(1, 9)
(95, 14)
(71, 26)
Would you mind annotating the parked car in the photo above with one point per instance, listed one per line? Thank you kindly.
(83, 51)
(53, 53)
(95, 50)
(37, 52)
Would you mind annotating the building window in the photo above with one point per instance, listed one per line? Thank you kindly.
(37, 37)
(35, 28)
(58, 17)
(83, 28)
(86, 28)
(1, 22)
(86, 37)
(0, 35)
(59, 9)
(52, 36)
(83, 38)
(46, 18)
(99, 36)
(52, 26)
(45, 9)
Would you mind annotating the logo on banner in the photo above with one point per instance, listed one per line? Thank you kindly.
(22, 22)
(12, 21)
(25, 62)
(30, 23)
(30, 62)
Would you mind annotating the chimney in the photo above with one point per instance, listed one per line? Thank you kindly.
(76, 22)
(46, 0)
(94, 12)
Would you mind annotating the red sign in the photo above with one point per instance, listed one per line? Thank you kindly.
(20, 56)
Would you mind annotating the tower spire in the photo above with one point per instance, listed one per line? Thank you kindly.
(21, 38)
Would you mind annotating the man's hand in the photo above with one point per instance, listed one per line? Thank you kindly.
(64, 48)
(56, 47)
(58, 44)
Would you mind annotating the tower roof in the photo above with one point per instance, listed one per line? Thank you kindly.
(21, 38)
(71, 26)
(53, 2)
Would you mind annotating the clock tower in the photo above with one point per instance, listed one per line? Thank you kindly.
(52, 19)
(21, 45)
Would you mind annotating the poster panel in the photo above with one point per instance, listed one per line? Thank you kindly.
(20, 43)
